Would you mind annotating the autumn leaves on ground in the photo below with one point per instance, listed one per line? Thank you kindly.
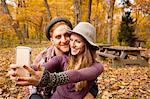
(124, 82)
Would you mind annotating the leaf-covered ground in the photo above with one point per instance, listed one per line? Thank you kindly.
(124, 82)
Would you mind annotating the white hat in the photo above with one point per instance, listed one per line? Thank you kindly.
(87, 30)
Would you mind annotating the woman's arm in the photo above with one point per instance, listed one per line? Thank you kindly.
(71, 76)
(47, 79)
(88, 74)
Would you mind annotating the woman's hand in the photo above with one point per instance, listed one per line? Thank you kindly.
(33, 79)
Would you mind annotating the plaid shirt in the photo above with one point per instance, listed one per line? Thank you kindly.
(44, 55)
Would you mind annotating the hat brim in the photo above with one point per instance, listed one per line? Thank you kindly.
(91, 43)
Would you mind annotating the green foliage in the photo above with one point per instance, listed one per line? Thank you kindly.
(126, 30)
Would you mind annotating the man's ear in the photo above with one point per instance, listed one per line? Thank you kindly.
(52, 41)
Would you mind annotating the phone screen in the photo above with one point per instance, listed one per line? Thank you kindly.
(23, 55)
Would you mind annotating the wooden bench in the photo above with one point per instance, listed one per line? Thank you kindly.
(122, 56)
(101, 46)
(115, 59)
(106, 55)
(146, 57)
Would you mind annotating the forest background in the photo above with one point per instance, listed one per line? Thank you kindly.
(24, 21)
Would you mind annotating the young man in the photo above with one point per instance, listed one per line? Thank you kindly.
(56, 32)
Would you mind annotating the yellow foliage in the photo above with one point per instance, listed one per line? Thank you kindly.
(142, 35)
(34, 13)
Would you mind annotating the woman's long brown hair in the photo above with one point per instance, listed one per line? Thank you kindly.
(88, 57)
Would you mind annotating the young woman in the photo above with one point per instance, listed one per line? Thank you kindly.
(76, 72)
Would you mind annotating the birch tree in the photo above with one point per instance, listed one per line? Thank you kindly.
(77, 10)
(89, 10)
(48, 9)
(110, 20)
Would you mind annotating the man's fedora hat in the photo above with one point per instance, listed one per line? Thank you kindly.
(87, 31)
(54, 21)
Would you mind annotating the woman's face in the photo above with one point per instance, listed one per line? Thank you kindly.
(77, 44)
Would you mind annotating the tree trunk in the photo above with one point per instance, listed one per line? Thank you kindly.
(56, 8)
(2, 39)
(48, 9)
(13, 24)
(89, 10)
(25, 30)
(96, 21)
(77, 10)
(40, 30)
(110, 20)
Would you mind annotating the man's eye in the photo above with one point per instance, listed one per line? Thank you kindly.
(67, 35)
(58, 37)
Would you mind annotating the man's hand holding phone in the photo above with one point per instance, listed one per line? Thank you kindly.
(14, 73)
(23, 57)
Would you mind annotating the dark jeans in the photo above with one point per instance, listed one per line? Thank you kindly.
(93, 91)
(36, 96)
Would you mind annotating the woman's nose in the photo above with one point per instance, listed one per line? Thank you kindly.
(72, 44)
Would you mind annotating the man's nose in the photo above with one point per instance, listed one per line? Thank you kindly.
(63, 39)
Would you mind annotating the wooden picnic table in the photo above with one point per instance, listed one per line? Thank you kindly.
(101, 46)
(122, 56)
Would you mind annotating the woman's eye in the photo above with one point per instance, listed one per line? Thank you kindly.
(71, 39)
(78, 41)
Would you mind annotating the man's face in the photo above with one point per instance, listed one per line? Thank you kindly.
(60, 38)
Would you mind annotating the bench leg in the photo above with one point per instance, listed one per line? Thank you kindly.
(117, 63)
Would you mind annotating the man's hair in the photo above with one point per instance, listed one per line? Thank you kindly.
(55, 26)
(53, 22)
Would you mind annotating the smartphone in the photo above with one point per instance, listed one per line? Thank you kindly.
(23, 57)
